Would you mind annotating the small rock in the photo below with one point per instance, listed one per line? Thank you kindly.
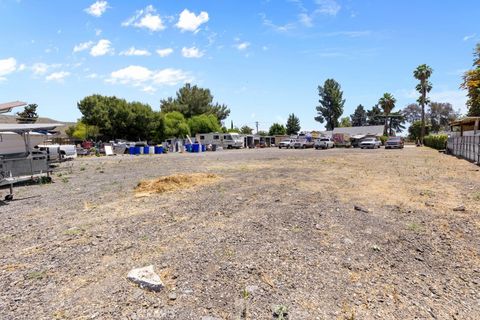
(459, 208)
(318, 227)
(239, 199)
(361, 209)
(146, 278)
(429, 204)
(172, 296)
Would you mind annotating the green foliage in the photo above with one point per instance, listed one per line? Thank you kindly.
(175, 125)
(423, 73)
(375, 116)
(277, 129)
(246, 130)
(471, 83)
(415, 130)
(28, 115)
(383, 139)
(117, 118)
(345, 122)
(193, 101)
(397, 121)
(235, 129)
(387, 103)
(359, 117)
(81, 131)
(331, 104)
(436, 141)
(262, 133)
(293, 124)
(204, 124)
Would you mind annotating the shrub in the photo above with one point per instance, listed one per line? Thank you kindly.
(436, 141)
(383, 139)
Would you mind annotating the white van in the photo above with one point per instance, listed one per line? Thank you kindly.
(68, 151)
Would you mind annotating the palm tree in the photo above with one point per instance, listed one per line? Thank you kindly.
(423, 73)
(387, 103)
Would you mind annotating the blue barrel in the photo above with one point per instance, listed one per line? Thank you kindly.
(131, 150)
(146, 150)
(158, 150)
(137, 150)
(204, 148)
(188, 147)
(195, 147)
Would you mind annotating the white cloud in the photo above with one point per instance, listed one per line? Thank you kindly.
(102, 48)
(83, 46)
(264, 48)
(98, 32)
(329, 7)
(97, 9)
(93, 76)
(164, 52)
(192, 52)
(146, 18)
(458, 98)
(242, 45)
(40, 68)
(188, 21)
(132, 51)
(139, 76)
(305, 19)
(22, 67)
(278, 28)
(469, 37)
(7, 66)
(57, 76)
(149, 89)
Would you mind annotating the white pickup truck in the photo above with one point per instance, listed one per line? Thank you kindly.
(324, 143)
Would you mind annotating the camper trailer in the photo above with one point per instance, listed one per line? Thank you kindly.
(225, 140)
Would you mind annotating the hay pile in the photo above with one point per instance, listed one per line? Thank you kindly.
(174, 182)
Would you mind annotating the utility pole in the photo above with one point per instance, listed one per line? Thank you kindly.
(256, 124)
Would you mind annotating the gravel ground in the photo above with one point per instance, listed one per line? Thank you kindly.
(278, 229)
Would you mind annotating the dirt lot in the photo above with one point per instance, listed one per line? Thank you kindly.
(273, 229)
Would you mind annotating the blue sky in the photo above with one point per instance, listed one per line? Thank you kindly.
(264, 59)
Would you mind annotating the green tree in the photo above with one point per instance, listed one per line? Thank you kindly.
(423, 73)
(262, 133)
(415, 130)
(246, 130)
(387, 103)
(345, 122)
(331, 104)
(82, 131)
(359, 117)
(277, 129)
(412, 112)
(471, 83)
(397, 122)
(176, 125)
(375, 116)
(204, 124)
(193, 101)
(293, 124)
(28, 115)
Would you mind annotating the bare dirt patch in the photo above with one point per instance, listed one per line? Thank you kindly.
(277, 231)
(173, 183)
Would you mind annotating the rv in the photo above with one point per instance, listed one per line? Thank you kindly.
(13, 143)
(225, 140)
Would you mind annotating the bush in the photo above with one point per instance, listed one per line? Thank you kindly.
(436, 141)
(383, 139)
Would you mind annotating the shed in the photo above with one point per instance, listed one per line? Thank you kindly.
(468, 126)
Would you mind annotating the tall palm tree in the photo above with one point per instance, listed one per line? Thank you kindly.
(423, 73)
(387, 103)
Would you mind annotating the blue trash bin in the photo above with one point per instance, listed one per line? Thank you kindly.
(146, 150)
(195, 147)
(131, 150)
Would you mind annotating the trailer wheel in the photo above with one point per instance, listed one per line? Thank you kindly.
(9, 197)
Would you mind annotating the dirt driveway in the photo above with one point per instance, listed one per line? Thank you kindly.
(276, 230)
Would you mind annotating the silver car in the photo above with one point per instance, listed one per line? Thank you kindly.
(370, 143)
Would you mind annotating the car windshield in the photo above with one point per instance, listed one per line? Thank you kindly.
(369, 139)
(394, 138)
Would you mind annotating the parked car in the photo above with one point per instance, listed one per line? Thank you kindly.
(287, 143)
(370, 143)
(394, 142)
(324, 143)
(303, 144)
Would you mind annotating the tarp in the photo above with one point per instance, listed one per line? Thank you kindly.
(20, 127)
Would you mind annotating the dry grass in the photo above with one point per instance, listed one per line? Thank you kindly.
(173, 183)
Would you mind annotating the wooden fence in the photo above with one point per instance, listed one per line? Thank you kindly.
(467, 147)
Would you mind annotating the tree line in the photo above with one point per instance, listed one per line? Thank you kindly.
(192, 111)
(424, 116)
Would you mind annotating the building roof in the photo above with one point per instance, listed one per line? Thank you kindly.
(7, 107)
(465, 120)
(366, 130)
